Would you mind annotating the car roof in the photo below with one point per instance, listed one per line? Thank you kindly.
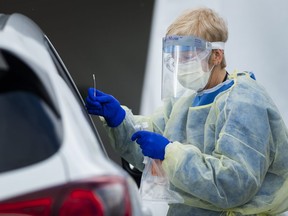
(23, 38)
(22, 24)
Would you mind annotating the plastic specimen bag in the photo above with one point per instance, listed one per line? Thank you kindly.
(155, 184)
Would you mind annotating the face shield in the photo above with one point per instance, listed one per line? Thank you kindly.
(185, 64)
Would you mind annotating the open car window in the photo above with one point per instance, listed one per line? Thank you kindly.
(63, 72)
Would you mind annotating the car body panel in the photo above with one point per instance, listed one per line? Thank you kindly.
(48, 173)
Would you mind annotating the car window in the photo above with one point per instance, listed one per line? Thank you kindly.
(63, 72)
(30, 126)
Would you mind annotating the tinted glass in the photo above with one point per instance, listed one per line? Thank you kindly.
(30, 126)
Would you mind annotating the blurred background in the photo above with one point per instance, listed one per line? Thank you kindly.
(120, 42)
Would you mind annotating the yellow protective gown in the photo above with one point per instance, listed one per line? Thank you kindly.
(227, 158)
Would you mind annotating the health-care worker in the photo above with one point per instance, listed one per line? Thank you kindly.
(221, 139)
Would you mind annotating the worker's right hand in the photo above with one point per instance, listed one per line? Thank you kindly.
(105, 105)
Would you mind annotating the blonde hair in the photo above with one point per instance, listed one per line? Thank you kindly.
(202, 22)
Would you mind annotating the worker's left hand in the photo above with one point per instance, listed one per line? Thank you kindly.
(152, 144)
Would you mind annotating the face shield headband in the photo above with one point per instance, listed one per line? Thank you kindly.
(182, 56)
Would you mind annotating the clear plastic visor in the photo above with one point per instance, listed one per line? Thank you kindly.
(179, 50)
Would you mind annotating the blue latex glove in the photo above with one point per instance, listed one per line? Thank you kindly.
(152, 144)
(105, 105)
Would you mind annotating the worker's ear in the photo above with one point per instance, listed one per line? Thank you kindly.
(217, 56)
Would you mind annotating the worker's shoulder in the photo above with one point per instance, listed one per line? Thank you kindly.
(246, 83)
(248, 91)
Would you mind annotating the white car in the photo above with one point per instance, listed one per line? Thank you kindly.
(52, 161)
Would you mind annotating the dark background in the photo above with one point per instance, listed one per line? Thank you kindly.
(107, 38)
